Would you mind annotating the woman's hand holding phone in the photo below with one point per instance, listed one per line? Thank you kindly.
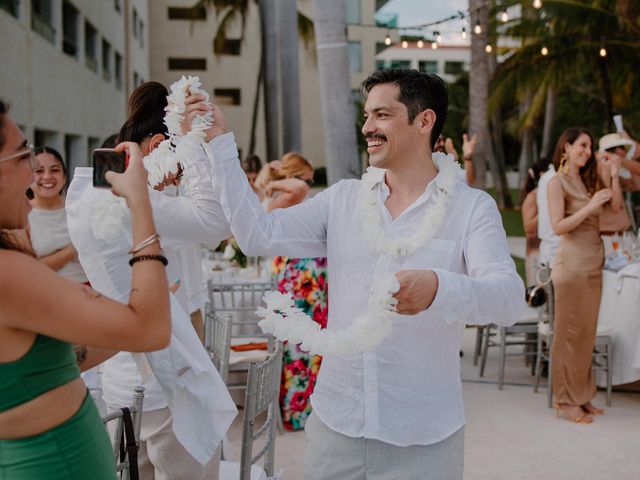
(132, 184)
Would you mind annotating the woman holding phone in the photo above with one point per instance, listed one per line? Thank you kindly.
(49, 425)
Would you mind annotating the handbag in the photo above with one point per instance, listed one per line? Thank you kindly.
(128, 444)
(536, 295)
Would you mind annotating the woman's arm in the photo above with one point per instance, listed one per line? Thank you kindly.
(561, 224)
(530, 214)
(59, 258)
(36, 299)
(293, 191)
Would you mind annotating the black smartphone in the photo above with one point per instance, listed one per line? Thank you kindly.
(105, 160)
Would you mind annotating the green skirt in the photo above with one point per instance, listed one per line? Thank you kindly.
(78, 448)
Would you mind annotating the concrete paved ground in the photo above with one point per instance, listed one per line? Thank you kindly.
(511, 434)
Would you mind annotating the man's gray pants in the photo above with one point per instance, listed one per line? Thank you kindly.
(332, 456)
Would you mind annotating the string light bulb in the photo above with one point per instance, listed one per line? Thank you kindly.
(387, 40)
(504, 16)
(463, 34)
(420, 43)
(603, 52)
(434, 46)
(438, 37)
(544, 51)
(405, 44)
(477, 29)
(537, 4)
(488, 48)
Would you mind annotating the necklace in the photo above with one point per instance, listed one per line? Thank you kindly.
(287, 322)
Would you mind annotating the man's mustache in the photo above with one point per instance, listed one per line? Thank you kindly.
(375, 135)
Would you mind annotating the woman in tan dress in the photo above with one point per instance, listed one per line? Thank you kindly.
(575, 201)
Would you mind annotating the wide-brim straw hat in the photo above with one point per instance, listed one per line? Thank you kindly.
(612, 140)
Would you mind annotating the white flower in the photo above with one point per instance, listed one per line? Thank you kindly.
(229, 252)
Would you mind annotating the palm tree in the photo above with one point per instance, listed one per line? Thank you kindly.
(231, 11)
(335, 90)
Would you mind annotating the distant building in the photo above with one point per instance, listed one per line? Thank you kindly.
(447, 61)
(182, 43)
(67, 68)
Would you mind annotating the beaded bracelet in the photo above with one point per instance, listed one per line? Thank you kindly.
(141, 258)
(145, 243)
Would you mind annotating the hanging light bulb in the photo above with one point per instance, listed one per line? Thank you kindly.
(504, 16)
(603, 52)
(387, 40)
(477, 29)
(438, 37)
(463, 34)
(434, 46)
(488, 48)
(544, 51)
(537, 3)
(405, 44)
(420, 43)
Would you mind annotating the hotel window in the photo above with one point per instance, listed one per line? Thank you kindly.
(42, 19)
(400, 63)
(106, 60)
(91, 46)
(228, 46)
(69, 29)
(187, 63)
(453, 68)
(428, 66)
(190, 13)
(226, 96)
(11, 6)
(118, 71)
(355, 57)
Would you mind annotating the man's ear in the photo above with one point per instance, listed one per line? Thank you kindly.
(426, 120)
(156, 140)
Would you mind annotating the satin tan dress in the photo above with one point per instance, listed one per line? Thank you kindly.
(577, 283)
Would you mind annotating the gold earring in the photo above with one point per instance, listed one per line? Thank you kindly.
(564, 159)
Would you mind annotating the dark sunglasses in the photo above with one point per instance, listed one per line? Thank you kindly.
(308, 181)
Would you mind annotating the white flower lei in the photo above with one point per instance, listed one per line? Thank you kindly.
(108, 221)
(287, 322)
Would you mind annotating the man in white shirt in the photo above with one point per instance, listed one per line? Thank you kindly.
(548, 239)
(396, 411)
(202, 408)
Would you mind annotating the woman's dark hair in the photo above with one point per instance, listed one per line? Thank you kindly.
(252, 164)
(110, 142)
(7, 239)
(533, 176)
(588, 173)
(147, 105)
(4, 108)
(418, 92)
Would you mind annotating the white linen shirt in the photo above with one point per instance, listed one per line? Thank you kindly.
(549, 241)
(178, 220)
(408, 390)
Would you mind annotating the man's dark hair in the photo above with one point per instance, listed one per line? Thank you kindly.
(147, 105)
(4, 108)
(418, 92)
(252, 164)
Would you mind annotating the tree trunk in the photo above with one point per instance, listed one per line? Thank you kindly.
(549, 118)
(606, 93)
(287, 19)
(335, 91)
(478, 88)
(256, 105)
(526, 146)
(270, 77)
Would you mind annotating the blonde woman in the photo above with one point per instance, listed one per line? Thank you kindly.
(286, 182)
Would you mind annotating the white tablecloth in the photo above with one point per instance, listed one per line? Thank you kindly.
(620, 311)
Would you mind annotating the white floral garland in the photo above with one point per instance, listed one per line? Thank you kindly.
(108, 220)
(287, 322)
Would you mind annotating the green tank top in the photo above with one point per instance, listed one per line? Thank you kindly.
(48, 364)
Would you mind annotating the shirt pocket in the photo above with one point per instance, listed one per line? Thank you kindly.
(436, 253)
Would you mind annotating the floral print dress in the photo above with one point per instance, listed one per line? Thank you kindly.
(306, 280)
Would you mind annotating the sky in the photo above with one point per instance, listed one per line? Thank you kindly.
(412, 12)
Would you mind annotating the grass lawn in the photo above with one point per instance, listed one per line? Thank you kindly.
(511, 218)
(520, 268)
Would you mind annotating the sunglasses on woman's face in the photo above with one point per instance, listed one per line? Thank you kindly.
(308, 181)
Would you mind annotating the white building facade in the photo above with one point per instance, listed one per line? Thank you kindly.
(68, 66)
(447, 61)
